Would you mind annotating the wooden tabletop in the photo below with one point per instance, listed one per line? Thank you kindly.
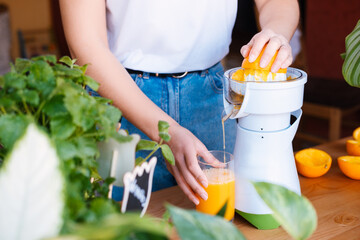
(335, 197)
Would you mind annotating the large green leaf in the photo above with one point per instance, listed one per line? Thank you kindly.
(31, 189)
(120, 226)
(295, 213)
(191, 224)
(351, 65)
(11, 128)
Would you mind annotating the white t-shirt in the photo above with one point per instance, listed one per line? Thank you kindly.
(170, 36)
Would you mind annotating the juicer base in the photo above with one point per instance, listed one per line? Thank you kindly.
(260, 221)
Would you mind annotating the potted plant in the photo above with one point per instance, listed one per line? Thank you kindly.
(49, 183)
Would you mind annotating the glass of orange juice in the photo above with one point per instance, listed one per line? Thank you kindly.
(221, 185)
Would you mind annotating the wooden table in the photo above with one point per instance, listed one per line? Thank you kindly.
(335, 197)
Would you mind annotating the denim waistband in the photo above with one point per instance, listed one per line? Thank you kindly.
(202, 73)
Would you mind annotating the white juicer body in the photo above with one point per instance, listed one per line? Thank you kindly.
(263, 149)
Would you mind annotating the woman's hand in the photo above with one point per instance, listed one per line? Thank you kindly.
(190, 178)
(275, 42)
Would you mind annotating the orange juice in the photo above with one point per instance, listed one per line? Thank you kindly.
(221, 189)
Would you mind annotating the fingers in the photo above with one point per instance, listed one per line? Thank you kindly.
(210, 159)
(184, 186)
(284, 56)
(275, 42)
(193, 175)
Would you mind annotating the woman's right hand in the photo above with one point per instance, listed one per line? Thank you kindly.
(190, 178)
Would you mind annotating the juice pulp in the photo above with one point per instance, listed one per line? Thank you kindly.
(221, 189)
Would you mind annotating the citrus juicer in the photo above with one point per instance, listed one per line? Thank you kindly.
(268, 114)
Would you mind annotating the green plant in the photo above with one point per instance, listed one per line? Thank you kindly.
(351, 65)
(50, 94)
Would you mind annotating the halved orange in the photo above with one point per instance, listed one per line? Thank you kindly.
(353, 147)
(356, 134)
(312, 162)
(255, 69)
(350, 166)
(238, 75)
(256, 64)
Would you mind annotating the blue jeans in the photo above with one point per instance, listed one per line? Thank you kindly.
(196, 103)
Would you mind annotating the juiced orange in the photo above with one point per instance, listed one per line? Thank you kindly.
(220, 190)
(251, 71)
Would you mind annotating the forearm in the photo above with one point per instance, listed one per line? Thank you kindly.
(117, 85)
(281, 16)
(85, 30)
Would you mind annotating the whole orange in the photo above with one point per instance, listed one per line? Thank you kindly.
(312, 162)
(356, 134)
(350, 166)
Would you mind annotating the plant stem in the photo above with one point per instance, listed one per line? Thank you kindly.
(153, 151)
(26, 107)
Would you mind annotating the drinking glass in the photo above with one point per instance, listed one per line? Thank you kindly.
(221, 184)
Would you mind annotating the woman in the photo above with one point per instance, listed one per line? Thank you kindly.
(159, 60)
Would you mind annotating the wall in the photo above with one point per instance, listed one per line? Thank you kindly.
(27, 15)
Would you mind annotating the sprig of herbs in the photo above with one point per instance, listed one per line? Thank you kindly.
(152, 146)
(52, 93)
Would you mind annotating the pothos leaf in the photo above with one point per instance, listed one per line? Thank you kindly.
(39, 198)
(222, 211)
(351, 65)
(295, 213)
(191, 224)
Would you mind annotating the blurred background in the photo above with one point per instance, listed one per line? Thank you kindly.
(331, 107)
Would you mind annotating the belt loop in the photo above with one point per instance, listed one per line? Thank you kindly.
(146, 75)
(204, 72)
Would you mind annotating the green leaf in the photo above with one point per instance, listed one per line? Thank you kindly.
(14, 80)
(32, 97)
(87, 147)
(295, 213)
(22, 65)
(222, 211)
(146, 145)
(167, 153)
(46, 58)
(191, 224)
(120, 138)
(92, 83)
(351, 65)
(33, 169)
(68, 61)
(11, 128)
(83, 112)
(66, 150)
(165, 136)
(120, 226)
(64, 71)
(61, 126)
(102, 207)
(55, 106)
(163, 128)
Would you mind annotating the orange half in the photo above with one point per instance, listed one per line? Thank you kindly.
(256, 64)
(350, 166)
(312, 163)
(353, 147)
